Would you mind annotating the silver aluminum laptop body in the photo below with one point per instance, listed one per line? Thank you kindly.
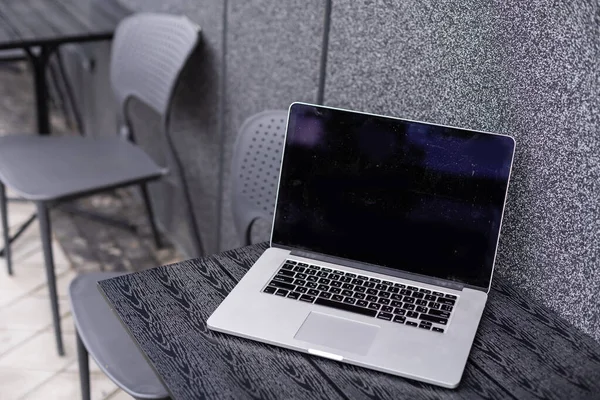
(437, 356)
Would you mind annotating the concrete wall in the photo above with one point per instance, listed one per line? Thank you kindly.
(529, 69)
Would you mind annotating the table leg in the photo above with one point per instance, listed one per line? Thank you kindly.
(39, 63)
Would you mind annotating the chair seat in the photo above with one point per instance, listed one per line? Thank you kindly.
(42, 168)
(107, 341)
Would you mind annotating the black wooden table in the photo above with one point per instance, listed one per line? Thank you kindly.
(522, 350)
(40, 26)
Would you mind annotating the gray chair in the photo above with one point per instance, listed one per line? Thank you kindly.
(255, 170)
(149, 53)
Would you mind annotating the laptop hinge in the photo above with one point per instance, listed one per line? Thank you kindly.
(381, 270)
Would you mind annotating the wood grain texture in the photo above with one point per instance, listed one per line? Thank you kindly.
(37, 22)
(522, 350)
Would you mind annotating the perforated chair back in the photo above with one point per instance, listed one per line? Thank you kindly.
(255, 169)
(148, 53)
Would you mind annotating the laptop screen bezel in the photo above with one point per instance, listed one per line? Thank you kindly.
(380, 268)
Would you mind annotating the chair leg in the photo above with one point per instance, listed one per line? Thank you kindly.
(150, 213)
(46, 234)
(4, 211)
(84, 368)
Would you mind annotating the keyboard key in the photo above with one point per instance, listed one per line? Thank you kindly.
(436, 329)
(307, 298)
(372, 292)
(412, 288)
(384, 316)
(381, 287)
(383, 294)
(405, 292)
(421, 302)
(357, 281)
(430, 298)
(346, 307)
(311, 278)
(359, 296)
(412, 314)
(418, 295)
(270, 289)
(313, 292)
(362, 303)
(301, 289)
(335, 290)
(310, 272)
(360, 289)
(443, 300)
(451, 296)
(428, 327)
(311, 285)
(399, 319)
(410, 323)
(434, 305)
(374, 280)
(339, 273)
(345, 279)
(438, 294)
(322, 274)
(396, 304)
(371, 298)
(324, 281)
(323, 287)
(399, 311)
(421, 309)
(305, 265)
(294, 295)
(325, 295)
(374, 306)
(396, 297)
(408, 306)
(446, 307)
(282, 285)
(300, 276)
(299, 282)
(387, 283)
(431, 318)
(285, 272)
(333, 276)
(387, 309)
(286, 279)
(426, 291)
(299, 268)
(393, 290)
(337, 297)
(313, 267)
(399, 285)
(383, 301)
(408, 300)
(281, 292)
(326, 269)
(347, 286)
(336, 284)
(350, 275)
(369, 285)
(347, 292)
(441, 314)
(349, 300)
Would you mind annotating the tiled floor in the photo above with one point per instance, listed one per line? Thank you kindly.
(29, 366)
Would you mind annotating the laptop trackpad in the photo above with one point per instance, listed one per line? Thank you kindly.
(337, 333)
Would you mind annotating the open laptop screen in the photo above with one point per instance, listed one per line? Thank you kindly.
(406, 195)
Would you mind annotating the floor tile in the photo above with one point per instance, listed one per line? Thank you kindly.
(30, 313)
(94, 369)
(12, 338)
(40, 353)
(65, 385)
(14, 383)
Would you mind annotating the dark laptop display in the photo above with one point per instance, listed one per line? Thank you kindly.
(399, 194)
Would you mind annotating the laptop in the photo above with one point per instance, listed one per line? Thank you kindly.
(383, 244)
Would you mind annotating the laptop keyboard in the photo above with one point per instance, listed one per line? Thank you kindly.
(373, 297)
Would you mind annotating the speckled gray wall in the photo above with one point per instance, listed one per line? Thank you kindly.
(528, 69)
(273, 51)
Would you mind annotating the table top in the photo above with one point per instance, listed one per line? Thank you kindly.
(25, 23)
(522, 350)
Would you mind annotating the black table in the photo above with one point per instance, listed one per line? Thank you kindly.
(40, 26)
(522, 350)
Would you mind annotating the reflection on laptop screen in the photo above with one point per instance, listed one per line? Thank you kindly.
(399, 194)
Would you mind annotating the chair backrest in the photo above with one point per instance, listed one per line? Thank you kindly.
(255, 169)
(149, 52)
